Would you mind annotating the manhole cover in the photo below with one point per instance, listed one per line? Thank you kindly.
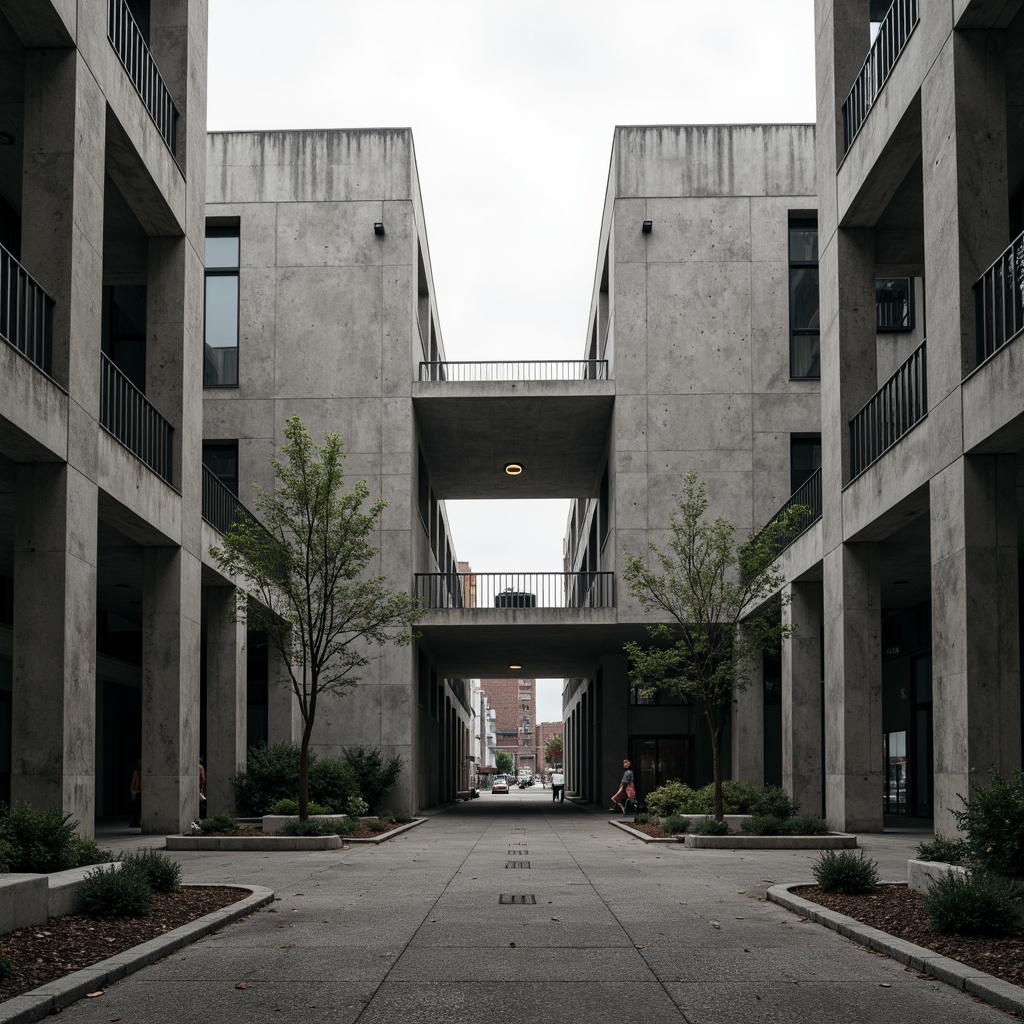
(506, 897)
(517, 863)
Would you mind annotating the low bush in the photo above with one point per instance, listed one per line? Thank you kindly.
(773, 802)
(162, 873)
(116, 892)
(7, 856)
(86, 852)
(993, 820)
(671, 798)
(845, 871)
(334, 784)
(292, 807)
(310, 827)
(375, 775)
(807, 825)
(347, 826)
(944, 850)
(978, 903)
(674, 824)
(38, 841)
(271, 774)
(218, 823)
(6, 969)
(379, 825)
(766, 825)
(710, 827)
(404, 819)
(641, 819)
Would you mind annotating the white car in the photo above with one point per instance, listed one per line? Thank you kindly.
(499, 785)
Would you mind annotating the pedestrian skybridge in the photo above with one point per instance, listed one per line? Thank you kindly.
(479, 590)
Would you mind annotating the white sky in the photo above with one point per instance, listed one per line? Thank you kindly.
(512, 104)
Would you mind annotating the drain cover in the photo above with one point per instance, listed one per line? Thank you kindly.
(510, 898)
(517, 853)
(517, 863)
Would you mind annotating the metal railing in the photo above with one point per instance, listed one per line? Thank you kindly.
(517, 589)
(999, 300)
(807, 494)
(26, 313)
(127, 40)
(221, 506)
(126, 413)
(898, 23)
(900, 403)
(517, 370)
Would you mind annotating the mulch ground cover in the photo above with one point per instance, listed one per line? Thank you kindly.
(47, 952)
(897, 910)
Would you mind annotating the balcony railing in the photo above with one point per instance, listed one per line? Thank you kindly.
(126, 413)
(893, 34)
(127, 40)
(517, 370)
(26, 313)
(807, 494)
(900, 403)
(516, 589)
(221, 506)
(998, 300)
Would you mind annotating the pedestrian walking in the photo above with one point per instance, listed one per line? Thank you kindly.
(626, 790)
(135, 790)
(202, 790)
(558, 787)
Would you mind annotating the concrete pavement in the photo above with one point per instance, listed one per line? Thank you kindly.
(414, 930)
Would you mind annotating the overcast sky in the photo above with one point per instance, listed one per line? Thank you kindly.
(512, 104)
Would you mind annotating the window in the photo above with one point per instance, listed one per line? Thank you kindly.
(894, 303)
(220, 365)
(804, 459)
(124, 330)
(804, 327)
(221, 459)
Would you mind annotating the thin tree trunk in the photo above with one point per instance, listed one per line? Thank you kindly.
(716, 757)
(304, 773)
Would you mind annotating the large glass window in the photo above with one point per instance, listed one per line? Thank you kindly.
(220, 365)
(804, 325)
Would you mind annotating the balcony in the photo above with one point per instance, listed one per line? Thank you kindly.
(998, 301)
(895, 30)
(516, 370)
(809, 495)
(221, 506)
(516, 589)
(128, 415)
(26, 313)
(127, 40)
(898, 405)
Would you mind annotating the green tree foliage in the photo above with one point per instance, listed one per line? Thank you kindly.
(320, 609)
(503, 761)
(553, 749)
(719, 605)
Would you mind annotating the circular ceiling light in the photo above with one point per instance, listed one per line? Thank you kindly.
(513, 469)
(515, 668)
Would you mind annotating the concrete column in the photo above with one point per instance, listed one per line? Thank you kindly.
(854, 772)
(226, 693)
(284, 719)
(170, 689)
(612, 710)
(53, 707)
(801, 698)
(748, 727)
(975, 627)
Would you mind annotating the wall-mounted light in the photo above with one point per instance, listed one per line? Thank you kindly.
(378, 229)
(515, 668)
(514, 468)
(648, 224)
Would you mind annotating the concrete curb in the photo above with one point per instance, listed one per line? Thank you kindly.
(34, 1005)
(842, 841)
(385, 836)
(643, 836)
(242, 844)
(925, 961)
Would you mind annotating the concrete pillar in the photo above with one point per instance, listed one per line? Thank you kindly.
(801, 698)
(226, 693)
(284, 719)
(53, 706)
(170, 689)
(854, 770)
(612, 711)
(975, 627)
(747, 724)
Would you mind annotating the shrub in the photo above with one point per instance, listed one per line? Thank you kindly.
(380, 825)
(674, 824)
(404, 819)
(641, 819)
(310, 827)
(271, 774)
(86, 852)
(116, 892)
(292, 807)
(7, 856)
(772, 801)
(671, 798)
(333, 784)
(375, 776)
(6, 969)
(978, 903)
(845, 871)
(347, 826)
(218, 823)
(39, 841)
(710, 827)
(944, 850)
(993, 819)
(162, 873)
(766, 825)
(807, 825)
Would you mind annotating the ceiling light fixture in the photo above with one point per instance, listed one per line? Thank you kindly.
(515, 668)
(514, 469)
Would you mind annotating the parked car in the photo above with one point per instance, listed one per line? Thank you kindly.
(499, 785)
